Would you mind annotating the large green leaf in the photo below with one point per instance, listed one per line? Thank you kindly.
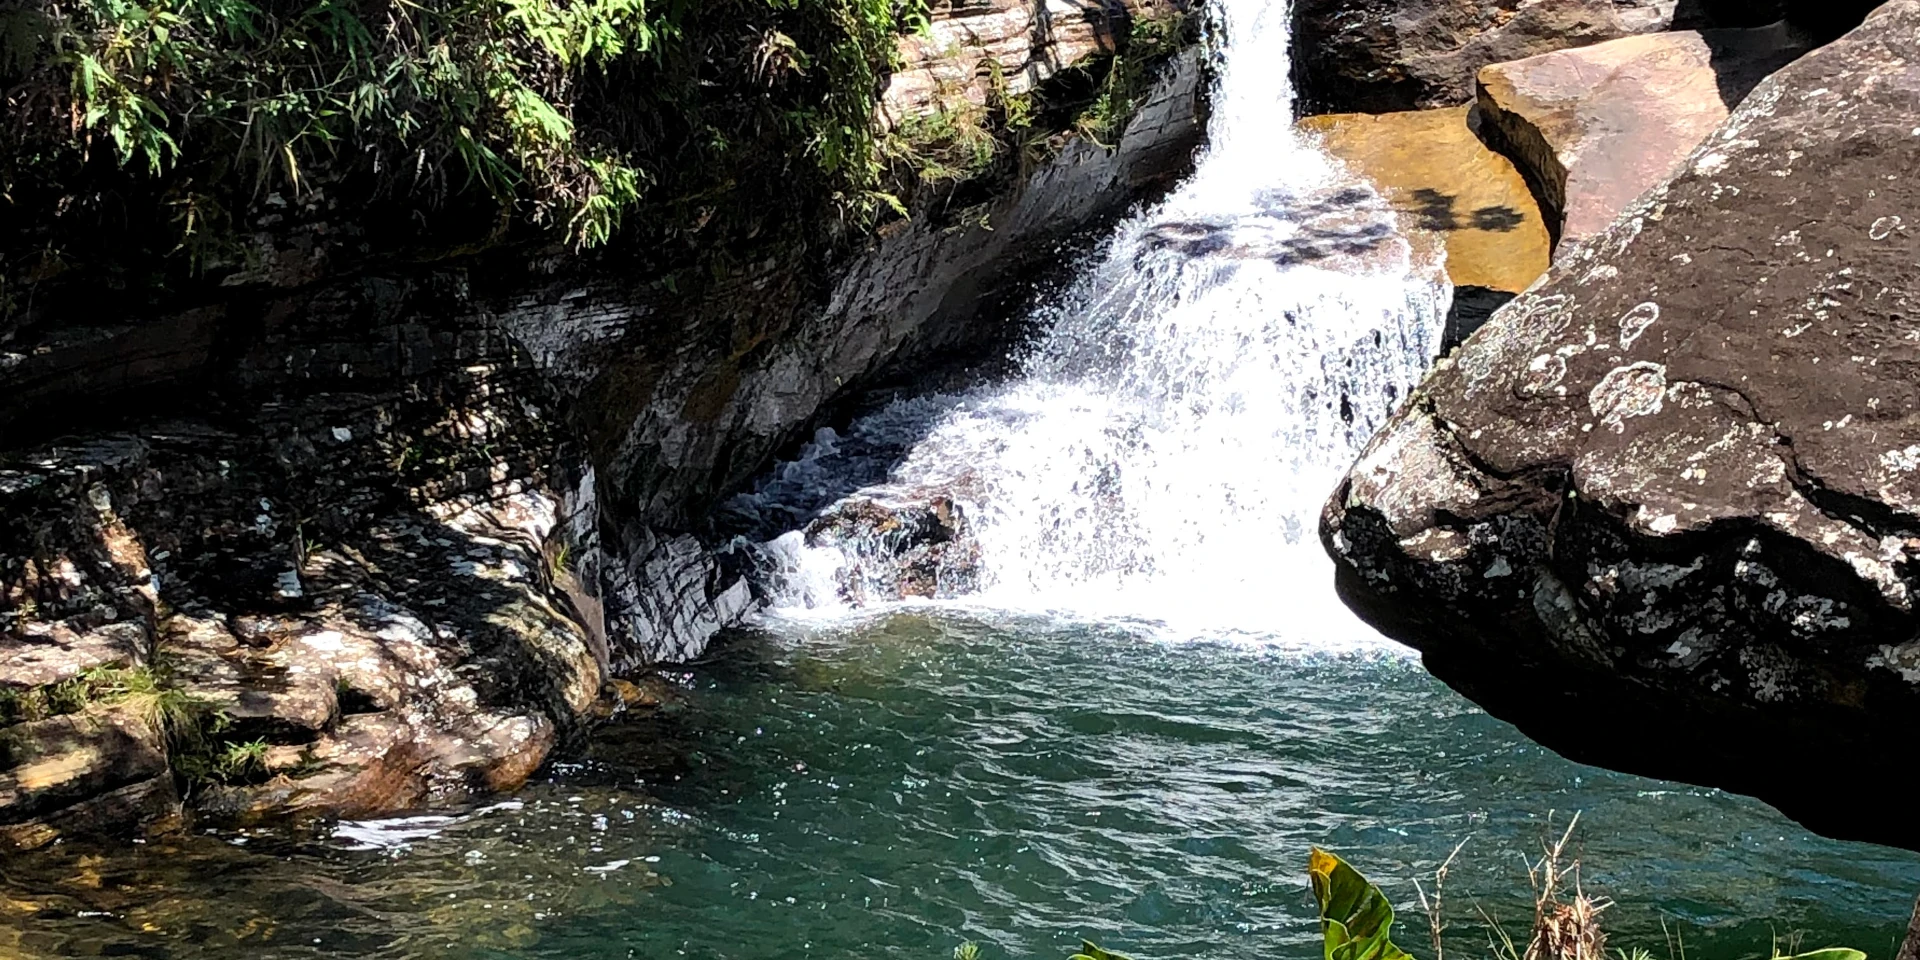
(1830, 953)
(1091, 951)
(1356, 919)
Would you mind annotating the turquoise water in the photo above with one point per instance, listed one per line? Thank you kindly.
(893, 789)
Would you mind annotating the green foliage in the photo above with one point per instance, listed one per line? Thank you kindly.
(140, 690)
(174, 713)
(1129, 76)
(229, 762)
(181, 126)
(473, 88)
(1829, 953)
(1356, 919)
(951, 144)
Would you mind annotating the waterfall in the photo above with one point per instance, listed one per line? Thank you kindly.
(1166, 447)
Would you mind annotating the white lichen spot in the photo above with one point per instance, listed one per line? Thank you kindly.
(1883, 228)
(1710, 163)
(1634, 390)
(1903, 660)
(1636, 321)
(1544, 372)
(1902, 461)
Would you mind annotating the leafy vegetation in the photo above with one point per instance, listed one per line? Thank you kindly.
(150, 141)
(141, 690)
(191, 726)
(1356, 917)
(184, 125)
(1127, 77)
(446, 92)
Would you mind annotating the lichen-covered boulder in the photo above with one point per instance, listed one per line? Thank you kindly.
(1663, 511)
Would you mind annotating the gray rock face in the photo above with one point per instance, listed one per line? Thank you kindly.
(400, 526)
(1378, 56)
(1663, 511)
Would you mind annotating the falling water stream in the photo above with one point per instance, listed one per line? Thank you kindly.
(1165, 449)
(1116, 698)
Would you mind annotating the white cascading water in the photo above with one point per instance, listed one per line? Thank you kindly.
(1164, 454)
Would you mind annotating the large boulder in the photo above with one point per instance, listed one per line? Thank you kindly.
(1663, 511)
(1598, 126)
(1377, 56)
(1383, 55)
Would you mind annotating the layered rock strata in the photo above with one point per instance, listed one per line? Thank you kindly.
(349, 542)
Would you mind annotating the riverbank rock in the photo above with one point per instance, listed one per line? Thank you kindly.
(1598, 126)
(97, 770)
(389, 523)
(1443, 180)
(1663, 511)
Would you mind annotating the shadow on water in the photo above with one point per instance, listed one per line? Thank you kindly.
(1433, 210)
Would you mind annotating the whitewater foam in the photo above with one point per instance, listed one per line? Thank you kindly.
(1163, 455)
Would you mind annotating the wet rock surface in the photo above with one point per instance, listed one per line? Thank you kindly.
(389, 530)
(1444, 181)
(899, 543)
(1600, 125)
(1662, 511)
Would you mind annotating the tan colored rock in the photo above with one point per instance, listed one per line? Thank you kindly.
(98, 770)
(1445, 181)
(1385, 55)
(971, 51)
(1597, 126)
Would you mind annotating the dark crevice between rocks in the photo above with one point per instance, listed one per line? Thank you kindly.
(1512, 137)
(1472, 307)
(1870, 517)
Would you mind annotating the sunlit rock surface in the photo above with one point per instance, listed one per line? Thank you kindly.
(1662, 512)
(1443, 180)
(1600, 125)
(1385, 55)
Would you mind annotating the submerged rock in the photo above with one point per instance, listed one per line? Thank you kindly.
(1598, 126)
(912, 542)
(1444, 181)
(1663, 511)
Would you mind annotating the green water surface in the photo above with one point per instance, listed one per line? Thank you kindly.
(894, 788)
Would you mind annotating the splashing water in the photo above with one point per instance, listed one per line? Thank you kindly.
(1165, 451)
